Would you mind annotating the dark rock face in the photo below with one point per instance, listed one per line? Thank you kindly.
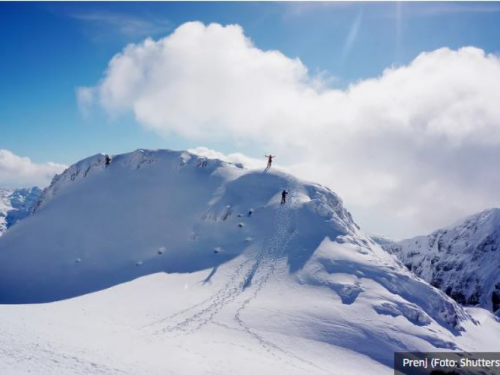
(495, 298)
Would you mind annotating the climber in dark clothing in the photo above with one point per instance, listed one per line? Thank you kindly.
(284, 193)
(269, 161)
(107, 160)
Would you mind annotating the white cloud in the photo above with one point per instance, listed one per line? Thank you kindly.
(408, 151)
(85, 99)
(17, 171)
(103, 22)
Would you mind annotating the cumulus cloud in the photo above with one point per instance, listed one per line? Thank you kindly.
(17, 171)
(410, 150)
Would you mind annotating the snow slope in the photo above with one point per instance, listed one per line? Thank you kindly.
(463, 260)
(209, 274)
(15, 205)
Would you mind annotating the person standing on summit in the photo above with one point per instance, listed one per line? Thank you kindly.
(269, 161)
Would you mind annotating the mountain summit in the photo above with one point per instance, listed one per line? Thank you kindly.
(226, 255)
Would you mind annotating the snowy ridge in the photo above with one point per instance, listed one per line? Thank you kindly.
(203, 255)
(134, 160)
(462, 259)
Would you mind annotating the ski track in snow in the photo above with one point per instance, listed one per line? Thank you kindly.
(245, 279)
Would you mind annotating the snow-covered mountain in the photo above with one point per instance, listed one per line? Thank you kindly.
(209, 273)
(463, 260)
(16, 204)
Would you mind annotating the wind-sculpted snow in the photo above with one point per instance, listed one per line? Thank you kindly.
(267, 272)
(463, 260)
(349, 275)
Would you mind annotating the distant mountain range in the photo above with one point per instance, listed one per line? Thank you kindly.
(16, 204)
(463, 260)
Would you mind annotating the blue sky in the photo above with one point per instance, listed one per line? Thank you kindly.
(379, 101)
(50, 49)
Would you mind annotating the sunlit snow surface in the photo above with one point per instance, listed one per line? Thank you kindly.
(208, 274)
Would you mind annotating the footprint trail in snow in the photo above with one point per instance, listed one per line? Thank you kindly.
(248, 277)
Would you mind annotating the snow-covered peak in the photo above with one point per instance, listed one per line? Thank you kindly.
(97, 163)
(479, 225)
(176, 213)
(462, 259)
(15, 205)
(112, 212)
